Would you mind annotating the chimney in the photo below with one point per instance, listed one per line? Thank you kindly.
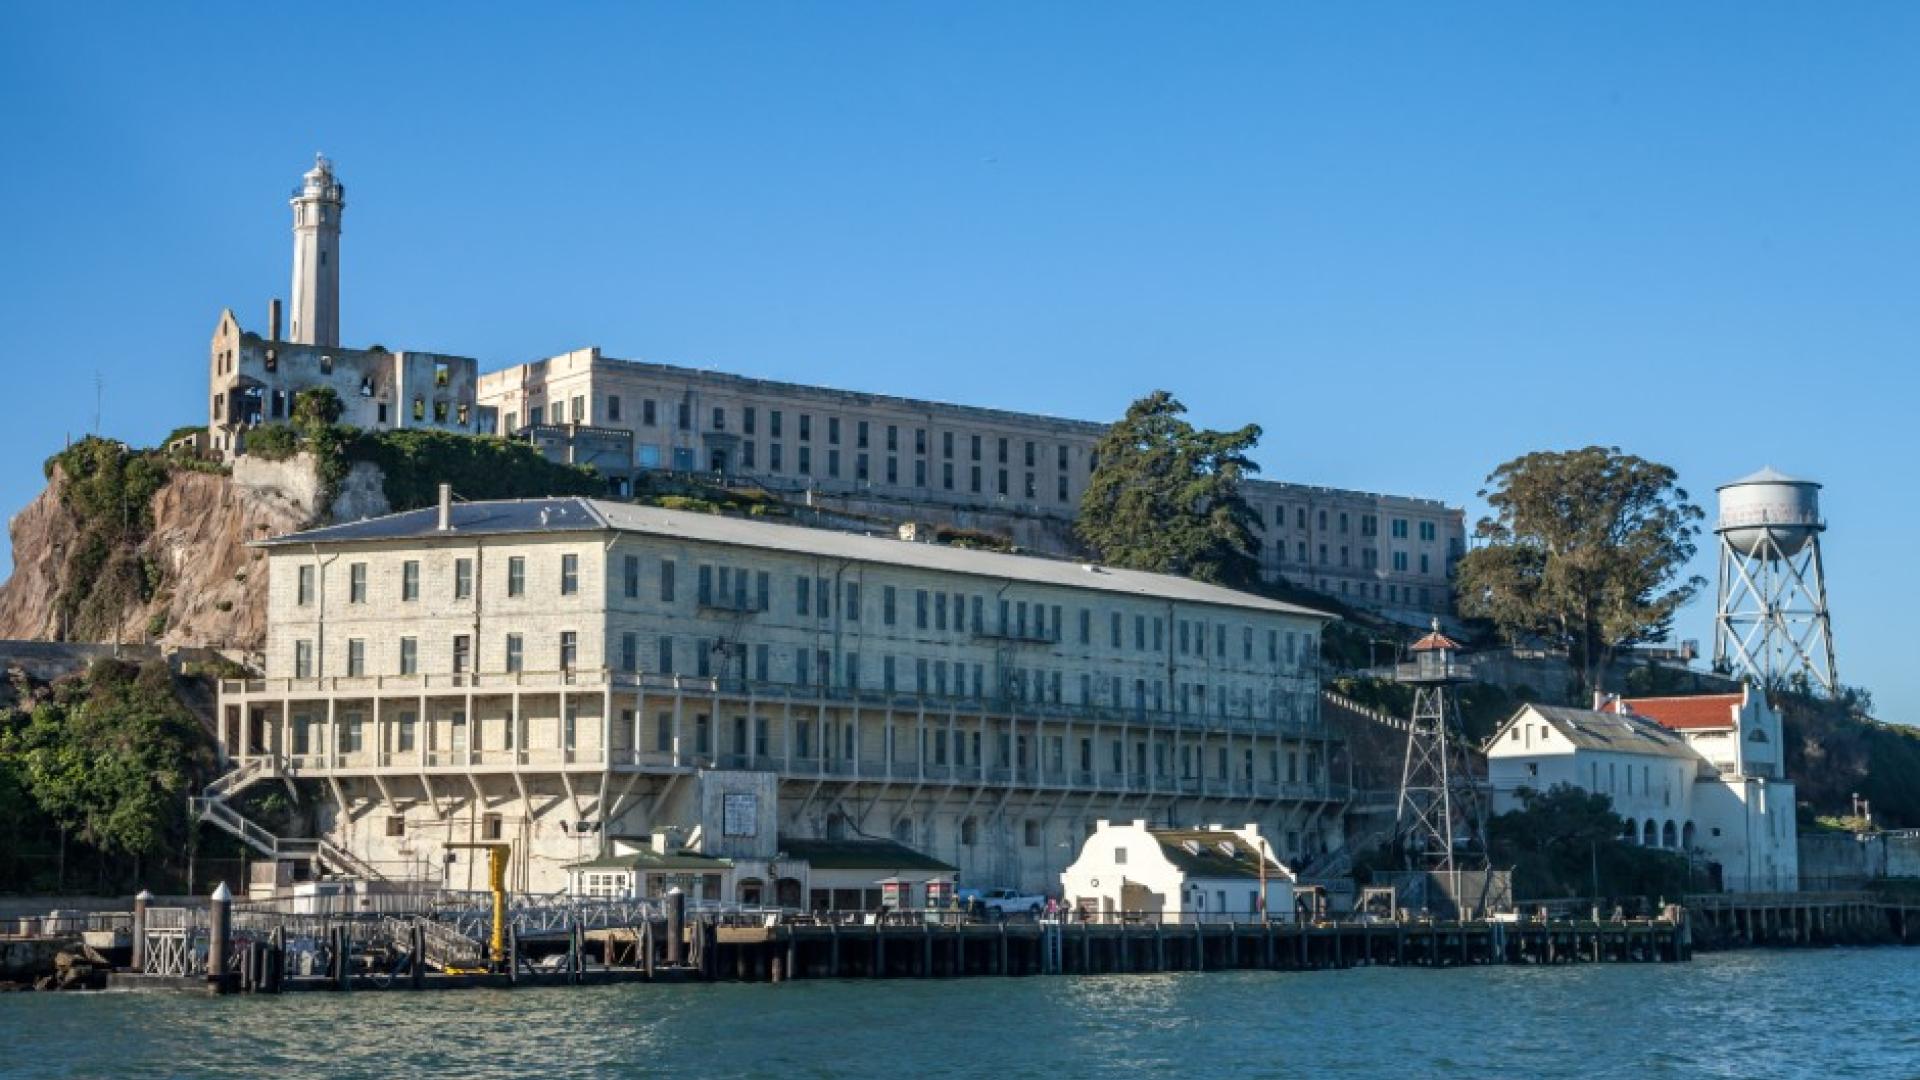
(446, 508)
(273, 319)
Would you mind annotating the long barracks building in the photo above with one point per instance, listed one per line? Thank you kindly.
(910, 457)
(562, 672)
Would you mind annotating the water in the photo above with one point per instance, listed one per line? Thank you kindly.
(1830, 1013)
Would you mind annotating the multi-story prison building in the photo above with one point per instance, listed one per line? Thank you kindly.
(898, 457)
(934, 458)
(561, 672)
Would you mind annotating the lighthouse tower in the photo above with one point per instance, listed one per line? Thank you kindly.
(317, 205)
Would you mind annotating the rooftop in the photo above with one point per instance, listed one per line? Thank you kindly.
(861, 855)
(648, 859)
(577, 515)
(1699, 712)
(1205, 853)
(1622, 734)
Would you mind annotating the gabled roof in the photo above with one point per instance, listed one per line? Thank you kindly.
(861, 855)
(1203, 853)
(1589, 730)
(648, 859)
(558, 516)
(1700, 712)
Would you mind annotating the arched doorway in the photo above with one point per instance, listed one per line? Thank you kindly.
(751, 891)
(1686, 836)
(1651, 836)
(1670, 836)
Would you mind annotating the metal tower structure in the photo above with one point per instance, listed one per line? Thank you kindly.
(1771, 622)
(1437, 801)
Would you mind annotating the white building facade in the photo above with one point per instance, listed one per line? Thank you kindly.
(558, 672)
(1134, 871)
(1383, 551)
(1698, 776)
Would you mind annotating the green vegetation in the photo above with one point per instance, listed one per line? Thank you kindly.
(1566, 843)
(1165, 496)
(1584, 553)
(109, 489)
(697, 496)
(1483, 706)
(980, 539)
(416, 461)
(1835, 750)
(94, 776)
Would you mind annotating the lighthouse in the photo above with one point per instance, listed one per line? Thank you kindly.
(317, 204)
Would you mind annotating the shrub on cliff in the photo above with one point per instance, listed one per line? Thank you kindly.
(108, 487)
(416, 461)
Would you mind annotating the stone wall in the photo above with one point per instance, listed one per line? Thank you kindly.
(1844, 860)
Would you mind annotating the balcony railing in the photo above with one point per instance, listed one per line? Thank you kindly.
(772, 693)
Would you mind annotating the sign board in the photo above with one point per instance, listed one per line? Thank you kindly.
(740, 814)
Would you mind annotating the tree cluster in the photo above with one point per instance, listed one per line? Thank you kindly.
(1566, 842)
(1585, 552)
(94, 776)
(1165, 496)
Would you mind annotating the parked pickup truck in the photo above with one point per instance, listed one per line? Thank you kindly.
(1005, 902)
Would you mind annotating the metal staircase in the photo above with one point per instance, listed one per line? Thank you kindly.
(445, 947)
(319, 853)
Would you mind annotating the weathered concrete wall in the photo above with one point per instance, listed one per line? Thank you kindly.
(362, 494)
(1844, 860)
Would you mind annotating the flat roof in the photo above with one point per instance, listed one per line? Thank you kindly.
(558, 516)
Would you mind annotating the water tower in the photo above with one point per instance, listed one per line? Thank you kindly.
(1771, 622)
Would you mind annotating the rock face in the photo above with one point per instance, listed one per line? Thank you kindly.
(212, 588)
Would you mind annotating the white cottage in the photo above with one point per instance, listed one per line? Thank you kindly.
(1698, 776)
(1133, 871)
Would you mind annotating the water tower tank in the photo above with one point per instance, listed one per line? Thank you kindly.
(1769, 504)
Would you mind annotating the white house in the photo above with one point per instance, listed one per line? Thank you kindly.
(1212, 873)
(1700, 777)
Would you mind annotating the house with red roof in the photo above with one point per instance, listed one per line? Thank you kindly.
(1700, 775)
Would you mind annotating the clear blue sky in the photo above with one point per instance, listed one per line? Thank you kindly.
(1411, 241)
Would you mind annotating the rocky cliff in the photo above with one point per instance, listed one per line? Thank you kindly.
(206, 586)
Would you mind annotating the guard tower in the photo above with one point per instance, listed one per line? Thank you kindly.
(317, 204)
(1771, 623)
(1437, 803)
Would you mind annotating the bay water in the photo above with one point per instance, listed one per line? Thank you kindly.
(1785, 1013)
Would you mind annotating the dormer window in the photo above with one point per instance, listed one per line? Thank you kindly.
(1227, 849)
(1192, 846)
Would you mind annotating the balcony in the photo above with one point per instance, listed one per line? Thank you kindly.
(1016, 636)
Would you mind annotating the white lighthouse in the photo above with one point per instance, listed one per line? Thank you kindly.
(317, 205)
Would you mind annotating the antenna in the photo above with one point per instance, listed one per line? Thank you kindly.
(99, 392)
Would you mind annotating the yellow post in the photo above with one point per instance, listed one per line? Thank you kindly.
(497, 856)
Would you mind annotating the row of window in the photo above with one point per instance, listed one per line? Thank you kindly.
(937, 746)
(816, 667)
(1369, 557)
(737, 589)
(1369, 523)
(459, 584)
